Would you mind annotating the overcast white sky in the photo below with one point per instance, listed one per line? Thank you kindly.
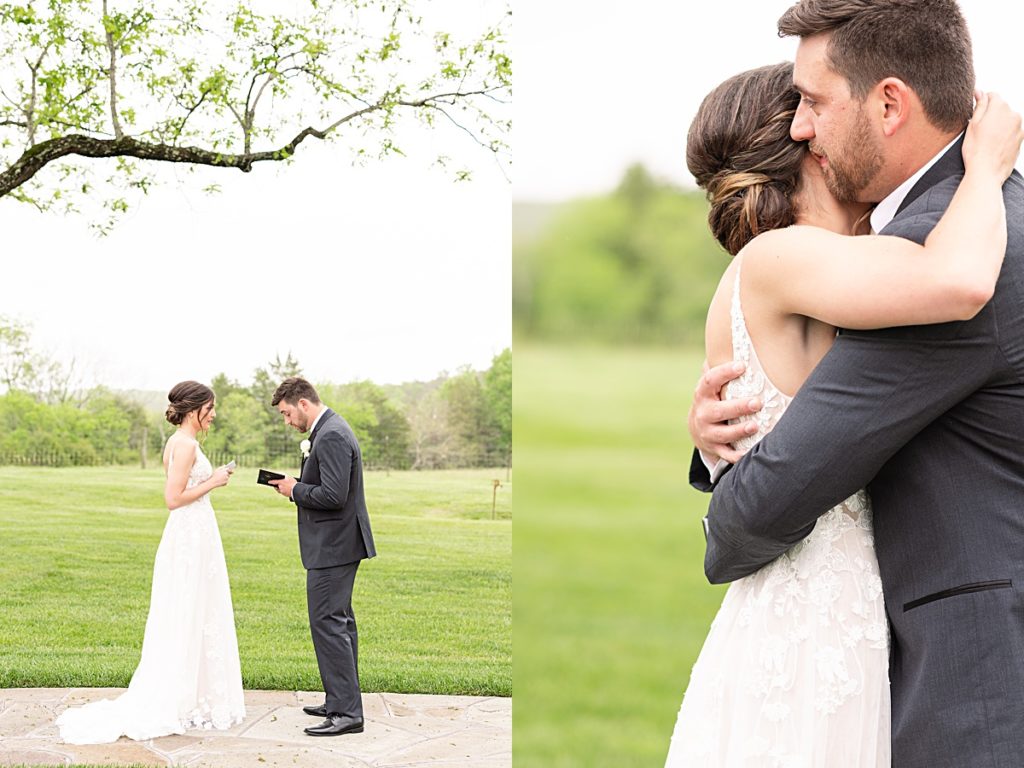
(599, 89)
(391, 272)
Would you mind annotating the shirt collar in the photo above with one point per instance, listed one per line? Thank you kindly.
(319, 416)
(885, 211)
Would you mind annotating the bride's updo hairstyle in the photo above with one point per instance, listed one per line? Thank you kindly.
(186, 397)
(740, 152)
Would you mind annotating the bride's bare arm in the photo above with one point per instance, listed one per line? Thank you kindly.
(182, 455)
(877, 281)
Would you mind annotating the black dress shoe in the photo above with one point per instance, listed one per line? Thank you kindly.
(336, 725)
(318, 711)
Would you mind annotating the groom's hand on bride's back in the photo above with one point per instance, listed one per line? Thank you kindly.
(709, 416)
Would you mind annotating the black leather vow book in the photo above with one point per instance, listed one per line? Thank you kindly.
(265, 476)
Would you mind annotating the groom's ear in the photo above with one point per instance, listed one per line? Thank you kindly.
(892, 100)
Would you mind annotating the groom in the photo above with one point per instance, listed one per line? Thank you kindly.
(334, 535)
(929, 418)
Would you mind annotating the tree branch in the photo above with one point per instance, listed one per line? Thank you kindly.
(31, 109)
(47, 152)
(13, 103)
(251, 107)
(186, 117)
(238, 117)
(461, 127)
(250, 102)
(23, 198)
(112, 74)
(38, 156)
(428, 100)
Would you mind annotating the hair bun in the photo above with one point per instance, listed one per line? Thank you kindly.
(740, 152)
(744, 204)
(186, 397)
(172, 415)
(727, 183)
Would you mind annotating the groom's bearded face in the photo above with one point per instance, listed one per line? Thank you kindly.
(852, 159)
(834, 123)
(293, 416)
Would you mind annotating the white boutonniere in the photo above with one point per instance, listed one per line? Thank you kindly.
(304, 446)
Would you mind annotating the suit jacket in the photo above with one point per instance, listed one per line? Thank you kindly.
(931, 420)
(334, 527)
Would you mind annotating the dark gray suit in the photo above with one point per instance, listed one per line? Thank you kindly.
(931, 420)
(334, 535)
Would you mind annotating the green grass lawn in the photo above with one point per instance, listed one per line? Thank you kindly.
(611, 603)
(434, 608)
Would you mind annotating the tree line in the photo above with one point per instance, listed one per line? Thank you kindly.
(636, 265)
(462, 419)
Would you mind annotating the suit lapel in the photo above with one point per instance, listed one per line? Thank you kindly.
(950, 164)
(312, 435)
(327, 415)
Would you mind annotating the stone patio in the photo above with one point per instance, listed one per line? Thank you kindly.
(402, 731)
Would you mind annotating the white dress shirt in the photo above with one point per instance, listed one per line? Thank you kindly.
(323, 410)
(885, 211)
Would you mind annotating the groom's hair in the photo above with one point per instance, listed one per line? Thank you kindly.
(925, 43)
(293, 389)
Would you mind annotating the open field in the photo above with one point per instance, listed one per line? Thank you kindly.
(434, 608)
(611, 605)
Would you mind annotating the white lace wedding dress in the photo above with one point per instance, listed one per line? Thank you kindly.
(794, 671)
(189, 675)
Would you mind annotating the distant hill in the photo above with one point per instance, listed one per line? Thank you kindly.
(529, 220)
(636, 265)
(150, 399)
(401, 394)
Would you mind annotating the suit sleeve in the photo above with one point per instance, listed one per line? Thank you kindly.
(334, 456)
(869, 396)
(700, 478)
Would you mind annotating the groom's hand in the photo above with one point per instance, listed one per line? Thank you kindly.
(710, 414)
(284, 487)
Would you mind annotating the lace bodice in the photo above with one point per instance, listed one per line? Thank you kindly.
(201, 469)
(754, 382)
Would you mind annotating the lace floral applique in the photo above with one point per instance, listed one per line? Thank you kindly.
(753, 382)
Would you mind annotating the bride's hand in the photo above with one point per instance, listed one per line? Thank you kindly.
(221, 476)
(994, 136)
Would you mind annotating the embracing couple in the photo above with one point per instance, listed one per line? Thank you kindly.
(869, 391)
(189, 675)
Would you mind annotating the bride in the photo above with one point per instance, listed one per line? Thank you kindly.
(794, 671)
(189, 675)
